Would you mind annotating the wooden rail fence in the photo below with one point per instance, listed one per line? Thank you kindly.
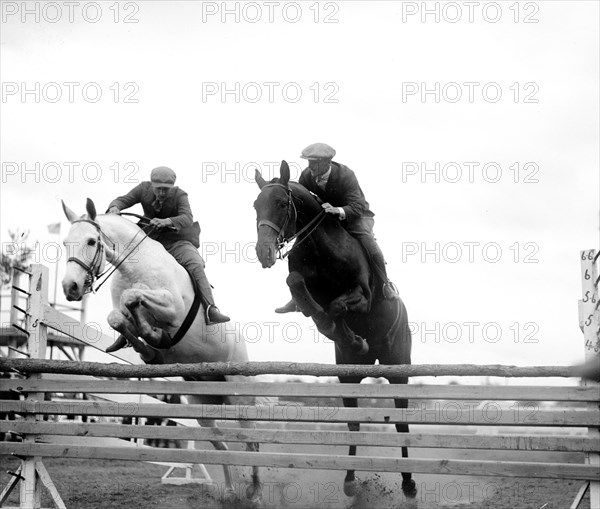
(529, 419)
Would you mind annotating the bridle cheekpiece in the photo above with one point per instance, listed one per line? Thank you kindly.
(282, 240)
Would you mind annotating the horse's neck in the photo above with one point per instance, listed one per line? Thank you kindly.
(307, 207)
(125, 243)
(327, 234)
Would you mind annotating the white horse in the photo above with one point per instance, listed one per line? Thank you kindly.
(151, 297)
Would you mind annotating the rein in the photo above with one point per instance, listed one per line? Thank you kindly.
(92, 272)
(282, 241)
(120, 262)
(93, 269)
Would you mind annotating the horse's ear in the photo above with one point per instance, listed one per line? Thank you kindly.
(284, 173)
(259, 179)
(71, 216)
(91, 209)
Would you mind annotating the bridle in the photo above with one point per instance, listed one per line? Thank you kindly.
(281, 240)
(93, 269)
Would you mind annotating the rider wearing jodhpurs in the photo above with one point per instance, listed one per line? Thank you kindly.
(337, 186)
(170, 215)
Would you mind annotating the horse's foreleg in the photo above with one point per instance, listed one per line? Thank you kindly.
(353, 301)
(336, 330)
(123, 325)
(304, 300)
(153, 310)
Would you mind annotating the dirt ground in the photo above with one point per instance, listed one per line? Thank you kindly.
(97, 484)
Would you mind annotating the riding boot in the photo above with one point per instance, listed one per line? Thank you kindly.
(211, 311)
(290, 307)
(121, 342)
(389, 289)
(213, 315)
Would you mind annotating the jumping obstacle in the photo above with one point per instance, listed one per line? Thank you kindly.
(568, 415)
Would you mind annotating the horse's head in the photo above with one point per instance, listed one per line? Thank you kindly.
(85, 249)
(275, 215)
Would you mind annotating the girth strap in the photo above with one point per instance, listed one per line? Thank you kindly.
(189, 319)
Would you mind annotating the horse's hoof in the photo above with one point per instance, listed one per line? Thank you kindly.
(229, 495)
(409, 488)
(350, 488)
(360, 346)
(254, 496)
(121, 342)
(256, 502)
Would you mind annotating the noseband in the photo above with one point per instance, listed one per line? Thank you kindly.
(280, 230)
(282, 240)
(93, 269)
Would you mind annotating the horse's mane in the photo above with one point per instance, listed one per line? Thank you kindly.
(311, 203)
(301, 192)
(121, 220)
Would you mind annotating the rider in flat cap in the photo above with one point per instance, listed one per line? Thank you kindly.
(336, 185)
(170, 214)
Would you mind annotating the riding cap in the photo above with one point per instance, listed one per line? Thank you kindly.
(318, 151)
(162, 177)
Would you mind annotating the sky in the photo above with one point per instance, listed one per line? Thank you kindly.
(473, 131)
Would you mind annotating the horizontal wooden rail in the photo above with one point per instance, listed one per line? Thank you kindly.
(452, 413)
(517, 442)
(280, 368)
(312, 461)
(307, 390)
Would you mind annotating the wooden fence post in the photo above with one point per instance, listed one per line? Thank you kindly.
(589, 314)
(36, 344)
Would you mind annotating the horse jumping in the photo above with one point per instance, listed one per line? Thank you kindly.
(151, 297)
(330, 280)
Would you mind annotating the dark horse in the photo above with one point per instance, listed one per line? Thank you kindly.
(331, 282)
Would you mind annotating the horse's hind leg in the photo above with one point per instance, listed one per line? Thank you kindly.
(350, 479)
(254, 493)
(400, 346)
(409, 487)
(350, 486)
(211, 423)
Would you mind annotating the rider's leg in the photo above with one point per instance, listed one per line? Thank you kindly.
(362, 229)
(189, 257)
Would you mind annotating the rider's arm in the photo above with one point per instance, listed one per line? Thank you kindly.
(184, 217)
(353, 198)
(128, 200)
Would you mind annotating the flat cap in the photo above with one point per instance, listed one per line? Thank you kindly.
(318, 151)
(162, 177)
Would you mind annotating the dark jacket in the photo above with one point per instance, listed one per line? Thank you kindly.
(176, 207)
(342, 190)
